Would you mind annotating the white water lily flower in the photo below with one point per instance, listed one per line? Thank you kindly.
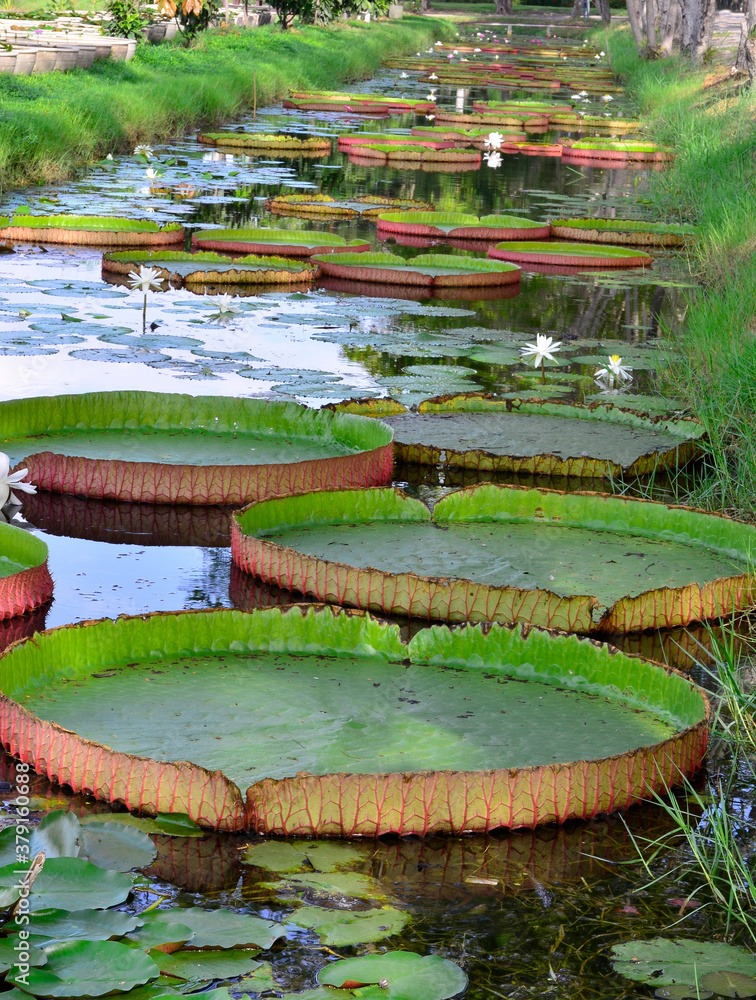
(430, 117)
(597, 57)
(607, 98)
(225, 306)
(480, 50)
(109, 156)
(492, 159)
(494, 140)
(602, 54)
(583, 93)
(433, 77)
(8, 482)
(614, 369)
(151, 174)
(574, 97)
(145, 280)
(543, 350)
(439, 45)
(431, 97)
(405, 76)
(146, 151)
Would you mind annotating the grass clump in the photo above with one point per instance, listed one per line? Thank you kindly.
(52, 125)
(711, 184)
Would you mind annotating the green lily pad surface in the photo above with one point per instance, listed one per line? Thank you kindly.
(404, 974)
(664, 961)
(550, 438)
(503, 553)
(86, 969)
(71, 444)
(205, 687)
(105, 224)
(270, 238)
(577, 254)
(206, 266)
(341, 928)
(324, 205)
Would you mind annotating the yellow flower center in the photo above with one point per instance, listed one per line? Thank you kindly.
(616, 358)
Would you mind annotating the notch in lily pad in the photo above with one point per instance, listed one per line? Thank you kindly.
(397, 975)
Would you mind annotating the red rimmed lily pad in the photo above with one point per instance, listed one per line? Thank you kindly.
(89, 230)
(170, 448)
(627, 231)
(570, 255)
(600, 729)
(637, 152)
(459, 226)
(415, 156)
(287, 242)
(25, 581)
(347, 142)
(536, 437)
(367, 104)
(324, 206)
(579, 562)
(276, 143)
(211, 268)
(427, 270)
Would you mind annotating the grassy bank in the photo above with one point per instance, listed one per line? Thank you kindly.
(713, 184)
(54, 124)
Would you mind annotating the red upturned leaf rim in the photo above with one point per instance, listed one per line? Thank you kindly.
(342, 804)
(28, 588)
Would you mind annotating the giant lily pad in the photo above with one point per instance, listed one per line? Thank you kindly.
(412, 157)
(578, 562)
(25, 581)
(347, 142)
(623, 231)
(90, 230)
(324, 206)
(546, 438)
(460, 226)
(427, 270)
(603, 149)
(289, 242)
(570, 254)
(211, 268)
(277, 143)
(362, 742)
(86, 969)
(171, 448)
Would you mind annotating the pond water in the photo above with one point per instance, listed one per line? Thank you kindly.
(561, 895)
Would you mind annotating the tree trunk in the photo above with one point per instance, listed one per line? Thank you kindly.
(605, 11)
(503, 6)
(651, 13)
(697, 27)
(670, 25)
(577, 9)
(634, 15)
(746, 60)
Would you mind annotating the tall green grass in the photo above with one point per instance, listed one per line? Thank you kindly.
(712, 183)
(54, 124)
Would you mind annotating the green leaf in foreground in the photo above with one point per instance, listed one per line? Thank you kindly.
(172, 824)
(158, 933)
(409, 976)
(87, 969)
(88, 925)
(340, 928)
(9, 953)
(223, 928)
(75, 884)
(57, 835)
(302, 856)
(663, 961)
(730, 984)
(206, 964)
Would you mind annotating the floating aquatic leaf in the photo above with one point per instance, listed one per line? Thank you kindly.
(341, 928)
(314, 855)
(117, 847)
(677, 992)
(71, 884)
(223, 928)
(408, 976)
(9, 949)
(57, 835)
(86, 969)
(89, 925)
(173, 824)
(206, 964)
(730, 984)
(681, 960)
